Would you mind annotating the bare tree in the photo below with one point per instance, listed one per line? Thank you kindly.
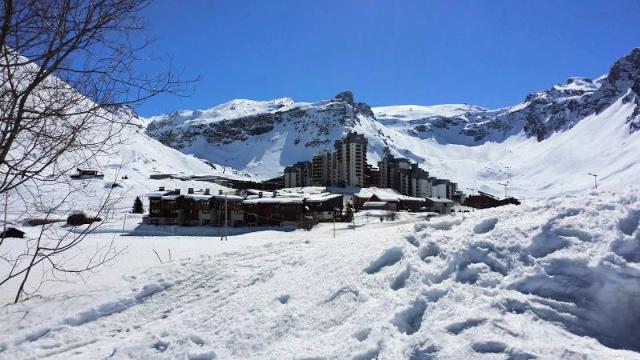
(68, 77)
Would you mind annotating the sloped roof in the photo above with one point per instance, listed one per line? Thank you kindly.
(440, 200)
(273, 200)
(322, 197)
(384, 194)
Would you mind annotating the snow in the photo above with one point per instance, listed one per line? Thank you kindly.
(599, 143)
(230, 110)
(387, 114)
(552, 278)
(384, 194)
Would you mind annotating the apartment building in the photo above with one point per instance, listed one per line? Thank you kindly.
(351, 160)
(299, 174)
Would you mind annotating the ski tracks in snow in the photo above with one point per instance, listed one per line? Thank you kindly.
(563, 282)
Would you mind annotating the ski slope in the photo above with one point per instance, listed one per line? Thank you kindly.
(550, 279)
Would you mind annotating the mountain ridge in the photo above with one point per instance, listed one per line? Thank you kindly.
(261, 137)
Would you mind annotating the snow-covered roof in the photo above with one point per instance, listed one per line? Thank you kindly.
(322, 197)
(388, 195)
(229, 197)
(439, 200)
(198, 196)
(170, 197)
(374, 204)
(158, 193)
(274, 200)
(304, 190)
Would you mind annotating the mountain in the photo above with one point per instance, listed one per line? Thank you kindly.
(474, 146)
(261, 137)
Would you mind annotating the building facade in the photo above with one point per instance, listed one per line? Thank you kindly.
(322, 169)
(439, 187)
(345, 166)
(403, 176)
(299, 174)
(420, 185)
(351, 160)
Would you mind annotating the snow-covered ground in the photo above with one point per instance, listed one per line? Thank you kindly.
(554, 278)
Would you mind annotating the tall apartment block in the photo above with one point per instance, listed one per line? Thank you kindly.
(351, 160)
(407, 178)
(298, 174)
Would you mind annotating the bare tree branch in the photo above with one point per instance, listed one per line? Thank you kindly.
(68, 79)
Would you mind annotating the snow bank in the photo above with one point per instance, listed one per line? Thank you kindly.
(558, 278)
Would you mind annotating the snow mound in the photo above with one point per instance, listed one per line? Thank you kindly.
(485, 226)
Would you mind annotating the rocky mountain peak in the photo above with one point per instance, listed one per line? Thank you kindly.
(313, 126)
(625, 73)
(346, 97)
(362, 108)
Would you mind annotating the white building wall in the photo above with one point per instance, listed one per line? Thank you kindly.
(291, 179)
(420, 188)
(440, 191)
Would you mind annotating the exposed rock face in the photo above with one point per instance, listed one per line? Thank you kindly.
(546, 112)
(554, 111)
(346, 97)
(181, 129)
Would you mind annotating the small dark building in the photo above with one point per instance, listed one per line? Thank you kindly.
(81, 219)
(484, 201)
(439, 205)
(268, 211)
(391, 203)
(86, 174)
(411, 204)
(164, 208)
(234, 211)
(323, 207)
(12, 233)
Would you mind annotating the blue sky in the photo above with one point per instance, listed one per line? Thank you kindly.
(490, 53)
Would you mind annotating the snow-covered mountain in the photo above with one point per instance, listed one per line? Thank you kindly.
(548, 142)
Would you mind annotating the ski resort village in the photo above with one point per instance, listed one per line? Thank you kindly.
(328, 189)
(338, 227)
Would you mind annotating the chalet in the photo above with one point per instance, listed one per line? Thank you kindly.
(234, 210)
(412, 204)
(260, 210)
(439, 205)
(377, 200)
(86, 174)
(391, 199)
(325, 206)
(378, 205)
(194, 208)
(164, 207)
